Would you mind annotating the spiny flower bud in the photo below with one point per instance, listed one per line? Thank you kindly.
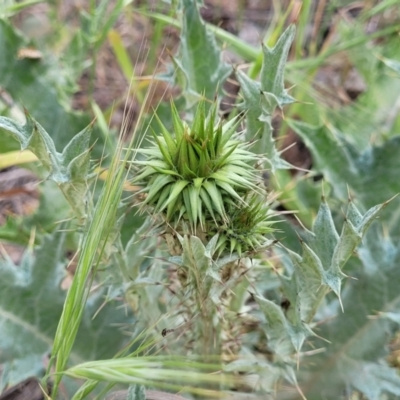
(201, 176)
(246, 228)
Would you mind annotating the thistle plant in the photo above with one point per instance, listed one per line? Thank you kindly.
(202, 185)
(201, 179)
(218, 295)
(204, 188)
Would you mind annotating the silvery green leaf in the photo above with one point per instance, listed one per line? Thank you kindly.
(355, 358)
(272, 72)
(28, 327)
(371, 175)
(259, 121)
(325, 237)
(316, 272)
(374, 380)
(136, 392)
(265, 374)
(227, 259)
(393, 316)
(43, 87)
(198, 55)
(194, 255)
(69, 169)
(210, 248)
(177, 260)
(261, 99)
(278, 329)
(308, 283)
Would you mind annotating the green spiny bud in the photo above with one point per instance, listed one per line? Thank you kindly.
(198, 172)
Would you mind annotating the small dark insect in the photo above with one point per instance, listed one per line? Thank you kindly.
(178, 329)
(165, 331)
(285, 304)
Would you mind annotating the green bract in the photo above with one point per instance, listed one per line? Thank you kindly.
(202, 175)
(246, 228)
